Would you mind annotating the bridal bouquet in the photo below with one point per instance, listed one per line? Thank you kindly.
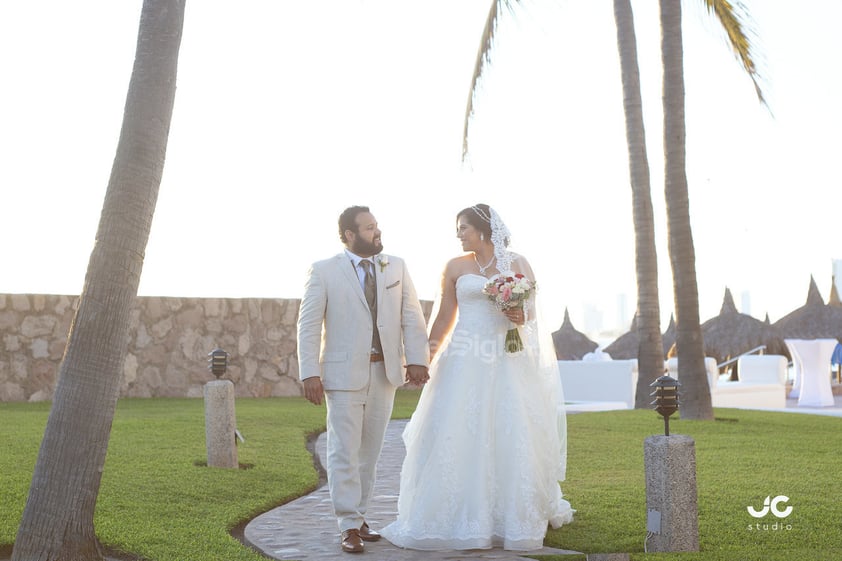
(508, 292)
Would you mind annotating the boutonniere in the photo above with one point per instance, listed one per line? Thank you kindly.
(383, 261)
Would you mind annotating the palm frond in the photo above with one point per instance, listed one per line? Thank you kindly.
(483, 57)
(734, 19)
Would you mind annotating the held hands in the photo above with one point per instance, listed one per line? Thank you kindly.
(417, 375)
(314, 390)
(515, 315)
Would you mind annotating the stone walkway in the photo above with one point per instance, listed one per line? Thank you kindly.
(305, 529)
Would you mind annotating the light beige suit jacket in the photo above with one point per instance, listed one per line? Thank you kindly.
(335, 325)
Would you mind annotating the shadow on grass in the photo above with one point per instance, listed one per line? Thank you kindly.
(204, 463)
(237, 532)
(110, 554)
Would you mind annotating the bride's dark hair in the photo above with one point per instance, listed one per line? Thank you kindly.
(478, 216)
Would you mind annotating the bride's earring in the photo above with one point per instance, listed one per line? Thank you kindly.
(481, 237)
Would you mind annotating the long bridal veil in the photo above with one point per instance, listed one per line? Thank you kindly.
(539, 341)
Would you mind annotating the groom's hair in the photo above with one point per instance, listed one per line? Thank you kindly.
(348, 220)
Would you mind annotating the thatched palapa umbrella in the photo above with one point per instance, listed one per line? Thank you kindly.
(731, 333)
(626, 345)
(813, 320)
(569, 343)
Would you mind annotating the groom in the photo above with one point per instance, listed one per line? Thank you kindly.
(358, 319)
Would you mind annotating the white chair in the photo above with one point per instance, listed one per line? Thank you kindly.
(710, 368)
(762, 383)
(762, 369)
(599, 381)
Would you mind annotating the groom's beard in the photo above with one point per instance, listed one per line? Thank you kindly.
(362, 247)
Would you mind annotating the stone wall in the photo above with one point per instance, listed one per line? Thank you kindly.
(168, 344)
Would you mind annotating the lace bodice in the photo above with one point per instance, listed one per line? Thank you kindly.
(477, 313)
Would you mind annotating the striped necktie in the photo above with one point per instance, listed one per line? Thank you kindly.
(370, 290)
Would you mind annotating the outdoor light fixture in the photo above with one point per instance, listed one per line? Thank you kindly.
(666, 398)
(218, 362)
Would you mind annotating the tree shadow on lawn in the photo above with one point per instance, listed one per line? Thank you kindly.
(237, 532)
(110, 554)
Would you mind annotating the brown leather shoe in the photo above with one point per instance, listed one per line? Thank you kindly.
(367, 534)
(351, 541)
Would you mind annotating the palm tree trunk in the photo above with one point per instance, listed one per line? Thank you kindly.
(695, 391)
(57, 522)
(650, 354)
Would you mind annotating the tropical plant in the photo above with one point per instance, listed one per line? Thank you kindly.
(650, 353)
(696, 393)
(696, 401)
(57, 522)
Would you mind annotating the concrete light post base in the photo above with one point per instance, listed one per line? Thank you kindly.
(220, 424)
(671, 500)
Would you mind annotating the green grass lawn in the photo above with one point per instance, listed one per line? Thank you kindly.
(158, 501)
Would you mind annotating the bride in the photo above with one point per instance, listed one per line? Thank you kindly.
(486, 446)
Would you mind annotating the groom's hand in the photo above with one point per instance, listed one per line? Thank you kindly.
(417, 374)
(313, 390)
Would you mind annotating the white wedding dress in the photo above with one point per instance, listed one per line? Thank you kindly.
(486, 445)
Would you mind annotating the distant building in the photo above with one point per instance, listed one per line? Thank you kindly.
(745, 302)
(592, 318)
(623, 316)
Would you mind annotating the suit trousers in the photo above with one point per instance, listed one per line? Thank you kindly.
(356, 427)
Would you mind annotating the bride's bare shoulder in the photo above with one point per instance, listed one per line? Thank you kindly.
(519, 259)
(459, 265)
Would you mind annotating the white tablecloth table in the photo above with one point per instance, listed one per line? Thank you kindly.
(796, 369)
(811, 361)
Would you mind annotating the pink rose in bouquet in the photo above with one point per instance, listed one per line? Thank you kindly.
(510, 292)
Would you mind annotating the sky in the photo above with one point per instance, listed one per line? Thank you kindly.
(288, 112)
